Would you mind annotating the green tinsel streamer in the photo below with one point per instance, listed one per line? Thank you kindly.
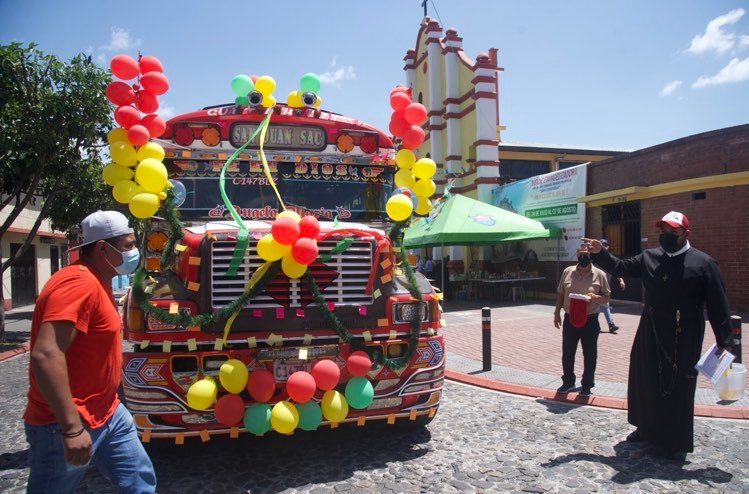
(175, 230)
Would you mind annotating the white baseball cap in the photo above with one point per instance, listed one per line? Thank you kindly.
(102, 225)
(674, 219)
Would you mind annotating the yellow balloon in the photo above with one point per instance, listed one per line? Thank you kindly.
(265, 84)
(201, 394)
(151, 174)
(291, 268)
(289, 214)
(424, 168)
(294, 99)
(113, 173)
(334, 406)
(123, 153)
(268, 101)
(124, 190)
(144, 205)
(284, 417)
(404, 178)
(423, 206)
(405, 159)
(399, 207)
(117, 134)
(318, 102)
(233, 375)
(425, 187)
(162, 196)
(270, 250)
(150, 150)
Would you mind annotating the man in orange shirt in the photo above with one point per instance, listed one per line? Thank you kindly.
(73, 413)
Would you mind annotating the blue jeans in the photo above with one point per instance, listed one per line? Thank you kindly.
(606, 309)
(117, 452)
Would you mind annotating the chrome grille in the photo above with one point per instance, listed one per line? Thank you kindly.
(343, 278)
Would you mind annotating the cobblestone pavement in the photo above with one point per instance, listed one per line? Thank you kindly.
(480, 441)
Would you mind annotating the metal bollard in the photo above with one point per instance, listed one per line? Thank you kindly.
(736, 343)
(486, 337)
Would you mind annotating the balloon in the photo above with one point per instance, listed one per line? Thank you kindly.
(242, 101)
(123, 153)
(257, 418)
(149, 63)
(144, 205)
(399, 101)
(138, 135)
(180, 192)
(285, 230)
(233, 375)
(413, 137)
(310, 82)
(229, 409)
(253, 78)
(423, 206)
(309, 227)
(359, 392)
(126, 116)
(284, 417)
(310, 415)
(124, 67)
(270, 250)
(398, 125)
(318, 102)
(294, 99)
(268, 101)
(334, 406)
(424, 168)
(326, 374)
(261, 385)
(154, 123)
(150, 150)
(415, 113)
(289, 214)
(358, 363)
(114, 173)
(242, 85)
(425, 187)
(265, 84)
(301, 386)
(399, 207)
(304, 251)
(151, 174)
(201, 394)
(404, 178)
(154, 82)
(117, 134)
(147, 102)
(400, 88)
(405, 159)
(124, 190)
(291, 268)
(120, 93)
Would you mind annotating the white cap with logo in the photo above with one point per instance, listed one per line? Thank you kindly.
(102, 225)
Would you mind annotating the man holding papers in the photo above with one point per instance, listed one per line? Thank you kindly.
(680, 282)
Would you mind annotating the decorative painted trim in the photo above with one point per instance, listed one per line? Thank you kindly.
(484, 95)
(453, 157)
(490, 79)
(486, 142)
(487, 163)
(468, 109)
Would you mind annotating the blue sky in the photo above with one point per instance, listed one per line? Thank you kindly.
(618, 74)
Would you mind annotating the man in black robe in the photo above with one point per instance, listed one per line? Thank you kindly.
(680, 282)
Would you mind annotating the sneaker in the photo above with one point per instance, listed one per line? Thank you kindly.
(585, 391)
(613, 328)
(564, 388)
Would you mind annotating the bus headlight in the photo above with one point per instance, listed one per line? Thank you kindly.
(404, 312)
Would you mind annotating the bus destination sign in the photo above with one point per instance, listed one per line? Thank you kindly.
(280, 136)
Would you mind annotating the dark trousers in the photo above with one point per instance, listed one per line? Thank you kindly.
(588, 336)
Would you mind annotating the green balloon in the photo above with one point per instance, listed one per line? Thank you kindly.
(310, 82)
(242, 85)
(310, 415)
(242, 101)
(257, 418)
(359, 392)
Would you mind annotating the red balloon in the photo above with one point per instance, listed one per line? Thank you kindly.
(154, 123)
(285, 230)
(309, 227)
(415, 113)
(120, 93)
(301, 386)
(304, 250)
(358, 363)
(398, 125)
(254, 78)
(126, 116)
(149, 64)
(147, 102)
(138, 135)
(261, 385)
(326, 374)
(399, 101)
(413, 137)
(400, 88)
(124, 67)
(155, 82)
(229, 409)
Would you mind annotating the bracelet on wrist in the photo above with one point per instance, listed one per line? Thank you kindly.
(73, 434)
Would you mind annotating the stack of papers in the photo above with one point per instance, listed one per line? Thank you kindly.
(713, 366)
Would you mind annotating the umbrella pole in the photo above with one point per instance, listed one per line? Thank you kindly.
(442, 276)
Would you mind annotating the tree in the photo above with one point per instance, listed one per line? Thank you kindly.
(54, 117)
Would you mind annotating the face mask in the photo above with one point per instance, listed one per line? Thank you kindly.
(669, 242)
(583, 260)
(130, 261)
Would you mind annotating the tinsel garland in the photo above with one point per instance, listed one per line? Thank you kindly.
(176, 233)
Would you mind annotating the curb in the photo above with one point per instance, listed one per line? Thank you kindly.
(20, 349)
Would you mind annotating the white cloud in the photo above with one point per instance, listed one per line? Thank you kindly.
(744, 41)
(669, 88)
(714, 38)
(736, 71)
(339, 74)
(333, 62)
(119, 40)
(165, 111)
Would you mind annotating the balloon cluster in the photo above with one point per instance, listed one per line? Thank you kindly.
(301, 386)
(407, 117)
(251, 90)
(306, 95)
(293, 239)
(414, 186)
(137, 175)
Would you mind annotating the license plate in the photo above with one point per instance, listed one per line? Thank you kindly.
(283, 369)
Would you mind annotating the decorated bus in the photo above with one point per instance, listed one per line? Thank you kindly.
(274, 294)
